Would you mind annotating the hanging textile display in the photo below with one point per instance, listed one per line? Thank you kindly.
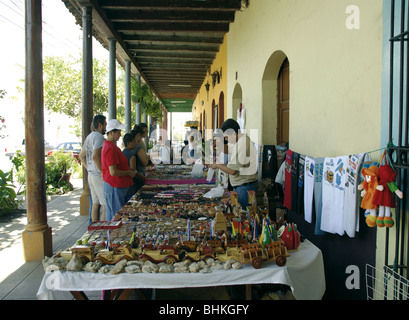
(333, 195)
(288, 179)
(269, 162)
(294, 182)
(351, 196)
(319, 173)
(309, 168)
(328, 188)
(300, 185)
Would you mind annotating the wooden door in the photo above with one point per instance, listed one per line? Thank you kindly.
(221, 109)
(283, 104)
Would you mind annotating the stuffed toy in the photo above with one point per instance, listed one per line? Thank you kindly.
(384, 196)
(368, 188)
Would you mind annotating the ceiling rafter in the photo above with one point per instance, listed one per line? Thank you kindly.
(171, 43)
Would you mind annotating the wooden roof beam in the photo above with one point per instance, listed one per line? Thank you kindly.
(170, 55)
(172, 26)
(179, 48)
(217, 5)
(143, 37)
(169, 16)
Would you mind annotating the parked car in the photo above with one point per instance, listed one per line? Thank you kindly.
(70, 147)
(11, 148)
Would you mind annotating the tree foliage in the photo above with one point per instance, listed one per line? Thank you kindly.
(63, 85)
(142, 94)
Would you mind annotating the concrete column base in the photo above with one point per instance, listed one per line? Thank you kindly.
(37, 244)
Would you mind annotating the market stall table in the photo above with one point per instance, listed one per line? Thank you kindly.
(303, 273)
(174, 174)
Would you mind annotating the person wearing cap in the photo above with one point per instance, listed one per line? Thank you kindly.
(116, 173)
(242, 165)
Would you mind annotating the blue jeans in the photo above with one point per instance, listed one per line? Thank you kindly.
(114, 199)
(243, 196)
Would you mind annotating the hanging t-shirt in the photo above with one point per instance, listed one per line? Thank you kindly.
(351, 196)
(294, 182)
(280, 177)
(309, 168)
(269, 162)
(333, 190)
(300, 192)
(288, 179)
(319, 173)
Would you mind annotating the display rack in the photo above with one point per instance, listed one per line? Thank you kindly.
(385, 284)
(398, 140)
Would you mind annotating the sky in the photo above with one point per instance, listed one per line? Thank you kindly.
(61, 37)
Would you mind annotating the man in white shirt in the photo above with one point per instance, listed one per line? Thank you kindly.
(90, 157)
(242, 165)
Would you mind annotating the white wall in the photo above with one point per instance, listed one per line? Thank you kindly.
(335, 72)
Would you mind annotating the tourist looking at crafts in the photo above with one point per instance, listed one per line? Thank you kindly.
(137, 159)
(116, 173)
(242, 165)
(90, 157)
(140, 133)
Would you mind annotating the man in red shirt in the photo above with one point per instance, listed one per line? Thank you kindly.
(116, 173)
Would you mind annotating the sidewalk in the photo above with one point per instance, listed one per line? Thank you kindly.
(20, 280)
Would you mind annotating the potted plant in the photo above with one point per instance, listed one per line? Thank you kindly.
(59, 167)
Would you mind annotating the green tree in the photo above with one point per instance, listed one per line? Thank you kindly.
(63, 86)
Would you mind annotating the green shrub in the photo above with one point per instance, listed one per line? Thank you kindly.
(8, 197)
(58, 169)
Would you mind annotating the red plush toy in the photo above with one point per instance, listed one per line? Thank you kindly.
(384, 196)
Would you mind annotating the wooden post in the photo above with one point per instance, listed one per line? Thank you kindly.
(37, 236)
(112, 80)
(138, 104)
(87, 98)
(128, 96)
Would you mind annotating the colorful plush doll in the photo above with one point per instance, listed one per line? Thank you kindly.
(384, 196)
(368, 188)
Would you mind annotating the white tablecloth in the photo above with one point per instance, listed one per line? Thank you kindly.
(304, 273)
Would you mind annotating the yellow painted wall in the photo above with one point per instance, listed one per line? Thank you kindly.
(203, 99)
(335, 73)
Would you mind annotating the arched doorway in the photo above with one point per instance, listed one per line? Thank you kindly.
(237, 100)
(274, 124)
(283, 104)
(221, 109)
(215, 115)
